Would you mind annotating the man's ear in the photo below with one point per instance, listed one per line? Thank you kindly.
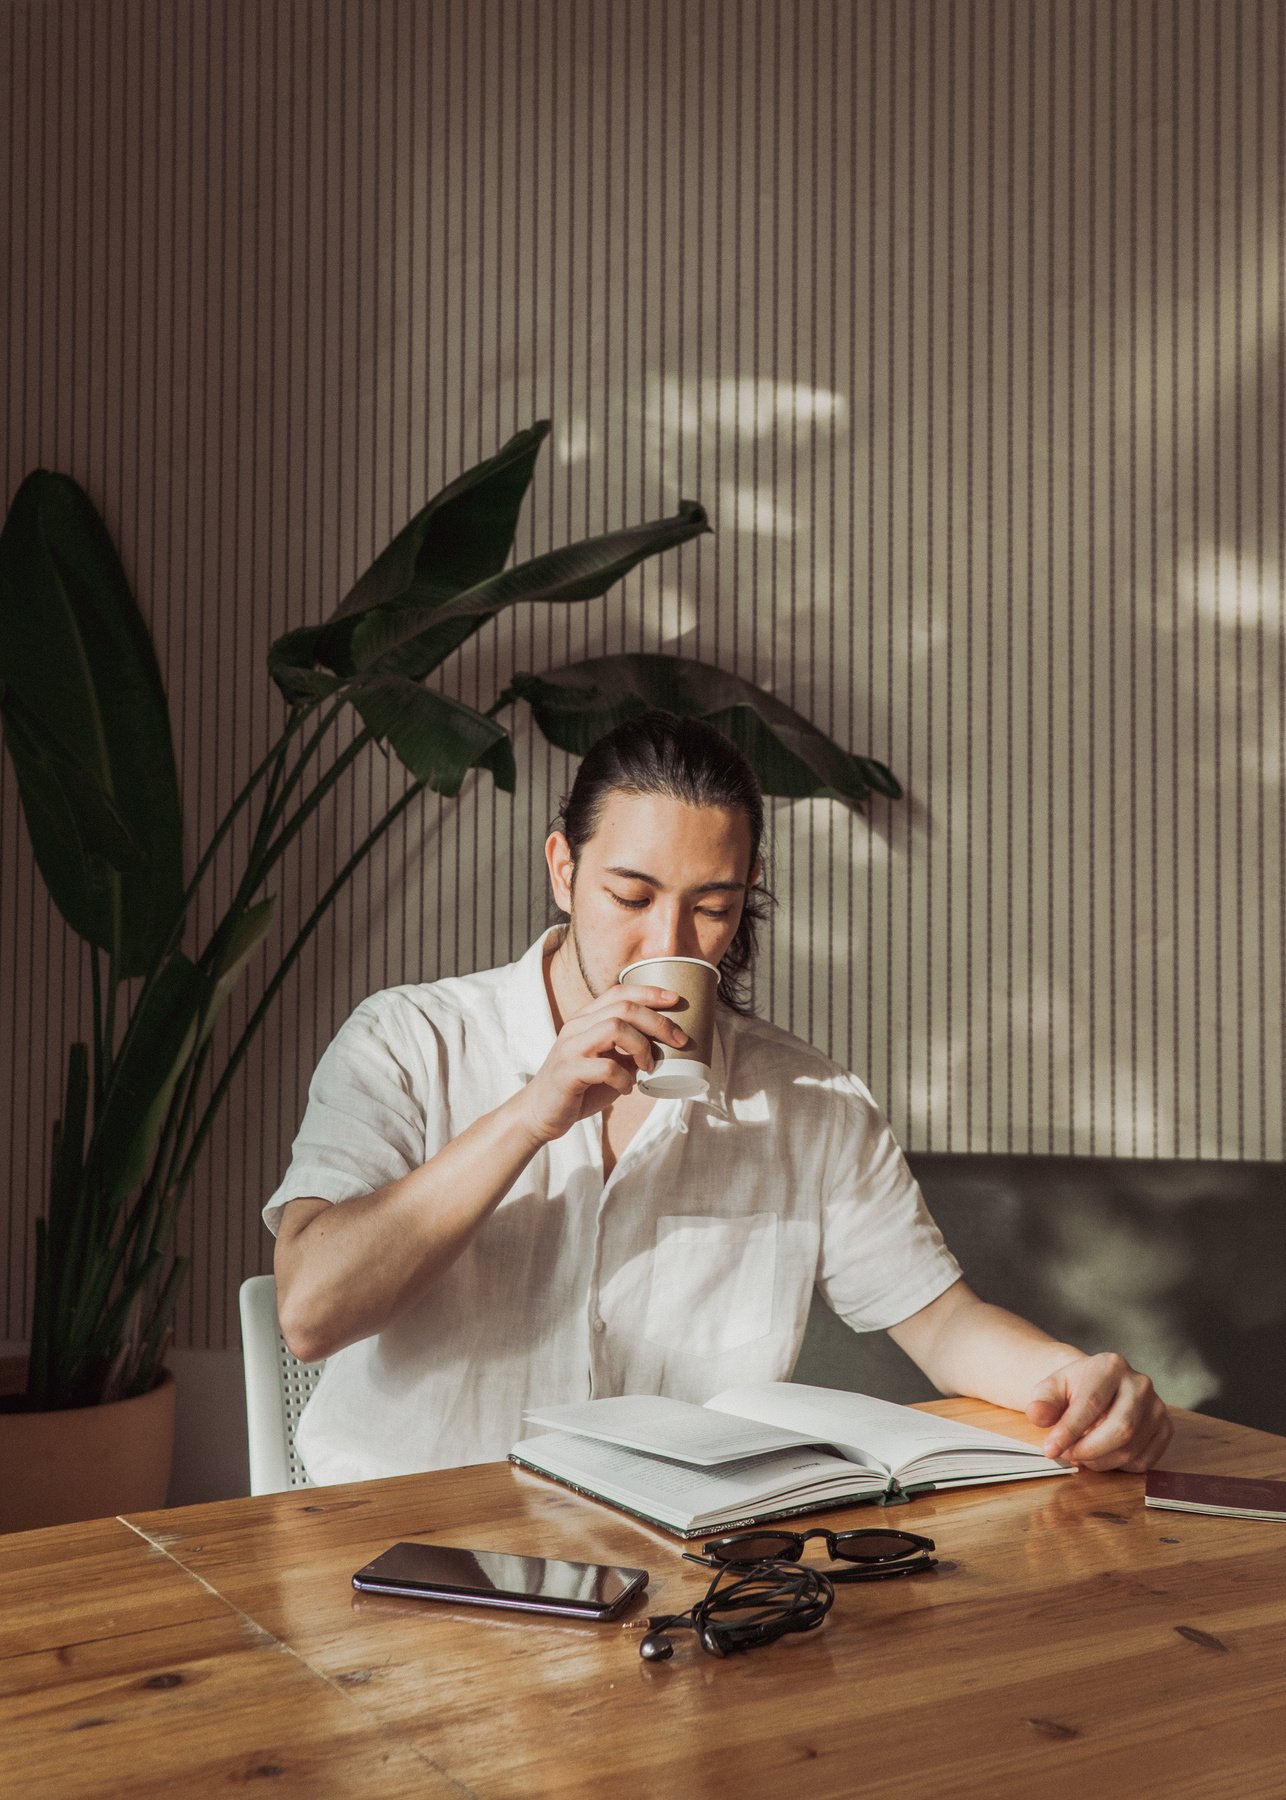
(756, 875)
(562, 866)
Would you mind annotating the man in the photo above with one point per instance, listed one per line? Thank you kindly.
(483, 1213)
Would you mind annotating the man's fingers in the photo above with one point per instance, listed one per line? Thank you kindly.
(1125, 1431)
(1090, 1393)
(1154, 1449)
(626, 1013)
(1134, 1458)
(604, 1036)
(607, 1072)
(1132, 1437)
(656, 1002)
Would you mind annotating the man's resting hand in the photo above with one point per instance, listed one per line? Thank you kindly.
(1101, 1414)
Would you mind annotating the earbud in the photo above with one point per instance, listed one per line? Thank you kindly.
(655, 1647)
(711, 1642)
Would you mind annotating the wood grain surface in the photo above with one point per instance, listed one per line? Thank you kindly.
(1070, 1642)
(120, 1673)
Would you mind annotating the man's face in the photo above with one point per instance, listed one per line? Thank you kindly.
(657, 878)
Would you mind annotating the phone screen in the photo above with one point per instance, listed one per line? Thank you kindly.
(497, 1578)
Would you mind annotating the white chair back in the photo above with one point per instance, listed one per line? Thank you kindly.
(277, 1390)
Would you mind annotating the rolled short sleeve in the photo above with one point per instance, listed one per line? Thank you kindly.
(882, 1256)
(365, 1122)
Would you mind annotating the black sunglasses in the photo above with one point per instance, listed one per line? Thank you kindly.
(872, 1555)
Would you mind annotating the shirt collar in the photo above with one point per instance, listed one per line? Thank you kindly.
(529, 1025)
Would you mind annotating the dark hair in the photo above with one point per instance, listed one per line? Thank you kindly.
(687, 760)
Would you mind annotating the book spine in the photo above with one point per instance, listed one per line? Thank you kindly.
(701, 1531)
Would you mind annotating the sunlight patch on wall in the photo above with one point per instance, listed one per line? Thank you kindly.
(677, 615)
(755, 511)
(751, 406)
(575, 443)
(1231, 588)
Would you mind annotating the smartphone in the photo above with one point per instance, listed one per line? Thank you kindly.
(496, 1578)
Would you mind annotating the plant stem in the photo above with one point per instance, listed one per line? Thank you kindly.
(273, 806)
(152, 1215)
(182, 1106)
(305, 755)
(307, 807)
(109, 1022)
(179, 1113)
(96, 988)
(288, 961)
(277, 755)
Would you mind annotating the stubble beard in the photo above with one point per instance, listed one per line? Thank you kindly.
(596, 986)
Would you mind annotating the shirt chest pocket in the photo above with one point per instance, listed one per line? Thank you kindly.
(712, 1282)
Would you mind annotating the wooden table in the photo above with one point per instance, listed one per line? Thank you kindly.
(1070, 1643)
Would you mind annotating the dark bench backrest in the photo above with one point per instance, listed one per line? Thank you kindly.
(1179, 1265)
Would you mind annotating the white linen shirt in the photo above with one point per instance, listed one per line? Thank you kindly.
(690, 1268)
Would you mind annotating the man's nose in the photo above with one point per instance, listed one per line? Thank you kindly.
(675, 934)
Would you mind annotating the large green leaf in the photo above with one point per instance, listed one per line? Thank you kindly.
(438, 739)
(463, 535)
(458, 539)
(291, 663)
(410, 639)
(576, 705)
(77, 664)
(84, 836)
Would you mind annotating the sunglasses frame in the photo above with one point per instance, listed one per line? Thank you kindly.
(907, 1561)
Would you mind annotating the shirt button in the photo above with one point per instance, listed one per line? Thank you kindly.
(600, 1325)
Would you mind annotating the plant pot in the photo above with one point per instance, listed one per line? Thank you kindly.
(87, 1462)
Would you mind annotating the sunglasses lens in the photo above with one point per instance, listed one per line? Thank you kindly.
(878, 1546)
(757, 1546)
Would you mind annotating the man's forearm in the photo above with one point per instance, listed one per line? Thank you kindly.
(1096, 1410)
(967, 1346)
(348, 1270)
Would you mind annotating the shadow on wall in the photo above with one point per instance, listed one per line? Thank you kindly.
(1178, 1265)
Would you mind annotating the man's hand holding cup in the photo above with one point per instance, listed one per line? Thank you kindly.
(600, 1054)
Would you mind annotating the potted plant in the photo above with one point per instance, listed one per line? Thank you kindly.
(87, 727)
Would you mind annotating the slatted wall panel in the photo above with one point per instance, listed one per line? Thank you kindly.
(965, 322)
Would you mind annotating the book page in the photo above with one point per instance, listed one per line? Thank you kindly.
(664, 1427)
(683, 1495)
(877, 1433)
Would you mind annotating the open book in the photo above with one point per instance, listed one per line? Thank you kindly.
(762, 1452)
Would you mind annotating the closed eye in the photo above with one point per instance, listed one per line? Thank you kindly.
(707, 912)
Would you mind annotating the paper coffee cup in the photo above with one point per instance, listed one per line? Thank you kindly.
(681, 1074)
